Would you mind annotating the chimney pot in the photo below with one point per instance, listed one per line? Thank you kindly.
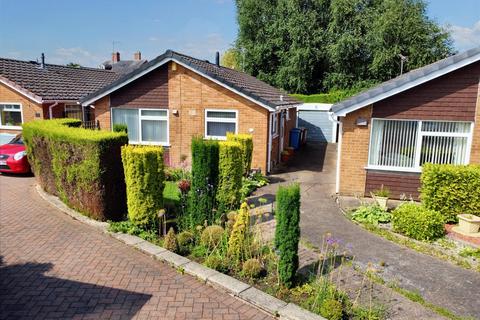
(115, 57)
(137, 56)
(217, 58)
(42, 63)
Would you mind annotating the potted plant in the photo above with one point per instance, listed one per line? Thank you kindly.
(290, 150)
(468, 223)
(285, 156)
(381, 197)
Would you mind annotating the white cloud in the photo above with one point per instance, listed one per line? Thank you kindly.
(205, 47)
(76, 55)
(466, 37)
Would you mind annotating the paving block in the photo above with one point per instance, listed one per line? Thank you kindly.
(228, 283)
(199, 271)
(128, 238)
(172, 258)
(149, 248)
(262, 300)
(293, 312)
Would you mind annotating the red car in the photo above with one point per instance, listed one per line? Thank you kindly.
(13, 157)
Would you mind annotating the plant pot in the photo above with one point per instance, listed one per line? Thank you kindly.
(290, 151)
(382, 202)
(468, 223)
(285, 157)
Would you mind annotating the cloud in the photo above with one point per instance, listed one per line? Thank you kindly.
(76, 55)
(205, 47)
(465, 37)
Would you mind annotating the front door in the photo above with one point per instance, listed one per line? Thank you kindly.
(282, 131)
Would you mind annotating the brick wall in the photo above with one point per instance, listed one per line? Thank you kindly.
(475, 153)
(30, 109)
(102, 113)
(354, 153)
(399, 183)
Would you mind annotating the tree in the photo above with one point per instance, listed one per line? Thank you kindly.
(231, 59)
(307, 46)
(73, 65)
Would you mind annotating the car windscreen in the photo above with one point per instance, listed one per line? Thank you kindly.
(17, 140)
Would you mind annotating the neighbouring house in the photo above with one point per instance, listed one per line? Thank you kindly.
(174, 97)
(123, 66)
(32, 90)
(428, 115)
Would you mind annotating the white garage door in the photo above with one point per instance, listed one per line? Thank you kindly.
(315, 118)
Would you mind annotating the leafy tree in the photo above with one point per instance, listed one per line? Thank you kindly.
(73, 65)
(231, 59)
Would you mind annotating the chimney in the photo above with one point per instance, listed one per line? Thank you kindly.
(137, 56)
(42, 62)
(217, 58)
(115, 57)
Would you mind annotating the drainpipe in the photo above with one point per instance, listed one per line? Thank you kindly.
(269, 153)
(50, 112)
(339, 157)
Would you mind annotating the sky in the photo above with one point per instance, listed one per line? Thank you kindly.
(87, 31)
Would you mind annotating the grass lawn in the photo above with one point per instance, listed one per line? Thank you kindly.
(171, 193)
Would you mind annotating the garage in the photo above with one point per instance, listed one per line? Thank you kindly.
(315, 117)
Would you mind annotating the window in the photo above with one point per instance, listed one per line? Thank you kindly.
(10, 115)
(407, 145)
(145, 126)
(274, 120)
(219, 122)
(73, 111)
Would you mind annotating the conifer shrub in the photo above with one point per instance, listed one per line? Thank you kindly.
(144, 177)
(185, 238)
(287, 232)
(211, 236)
(239, 237)
(120, 127)
(82, 167)
(246, 145)
(203, 188)
(170, 242)
(252, 268)
(230, 173)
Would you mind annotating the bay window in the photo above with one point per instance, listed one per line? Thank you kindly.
(11, 115)
(144, 126)
(219, 122)
(406, 145)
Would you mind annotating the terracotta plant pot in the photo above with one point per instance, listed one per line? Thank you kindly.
(285, 157)
(468, 223)
(290, 151)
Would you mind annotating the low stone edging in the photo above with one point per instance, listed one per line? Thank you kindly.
(238, 289)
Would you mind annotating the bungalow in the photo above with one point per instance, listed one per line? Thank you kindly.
(30, 90)
(174, 97)
(431, 114)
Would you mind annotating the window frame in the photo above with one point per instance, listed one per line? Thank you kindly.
(2, 126)
(274, 120)
(219, 120)
(153, 118)
(420, 134)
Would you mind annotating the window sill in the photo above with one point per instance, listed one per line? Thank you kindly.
(395, 169)
(11, 127)
(275, 135)
(216, 138)
(149, 143)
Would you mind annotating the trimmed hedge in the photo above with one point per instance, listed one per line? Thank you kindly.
(418, 222)
(451, 189)
(230, 172)
(82, 167)
(144, 177)
(246, 143)
(287, 232)
(120, 127)
(201, 199)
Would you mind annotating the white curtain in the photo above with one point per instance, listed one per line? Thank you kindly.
(154, 131)
(220, 129)
(130, 118)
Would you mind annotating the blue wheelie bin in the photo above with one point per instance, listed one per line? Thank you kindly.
(295, 134)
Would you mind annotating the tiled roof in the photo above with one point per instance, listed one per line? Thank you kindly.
(239, 81)
(407, 81)
(54, 82)
(124, 66)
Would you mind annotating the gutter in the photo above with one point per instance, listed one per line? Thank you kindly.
(50, 109)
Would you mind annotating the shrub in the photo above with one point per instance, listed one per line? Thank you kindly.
(239, 235)
(144, 175)
(82, 167)
(185, 238)
(451, 189)
(120, 127)
(201, 201)
(287, 232)
(211, 236)
(177, 174)
(229, 175)
(251, 268)
(372, 214)
(216, 262)
(418, 222)
(170, 242)
(332, 309)
(246, 146)
(251, 183)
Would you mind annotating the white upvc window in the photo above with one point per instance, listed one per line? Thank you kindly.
(219, 122)
(144, 126)
(274, 120)
(11, 116)
(405, 145)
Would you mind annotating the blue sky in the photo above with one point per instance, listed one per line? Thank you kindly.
(82, 31)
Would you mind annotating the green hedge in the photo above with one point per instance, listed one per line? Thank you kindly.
(418, 222)
(201, 199)
(144, 177)
(246, 143)
(230, 172)
(83, 167)
(287, 232)
(451, 189)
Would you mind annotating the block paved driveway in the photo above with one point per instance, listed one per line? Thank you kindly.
(52, 266)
